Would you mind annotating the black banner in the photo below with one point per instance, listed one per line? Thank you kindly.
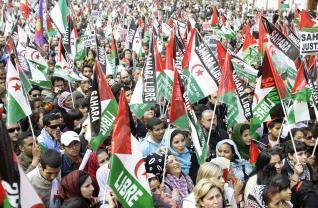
(282, 42)
(131, 33)
(101, 55)
(94, 105)
(294, 38)
(67, 36)
(149, 93)
(243, 97)
(207, 59)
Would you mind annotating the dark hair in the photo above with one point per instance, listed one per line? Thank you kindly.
(51, 158)
(295, 130)
(71, 116)
(153, 122)
(101, 150)
(175, 133)
(87, 66)
(300, 146)
(269, 192)
(34, 88)
(273, 123)
(81, 102)
(49, 117)
(54, 79)
(156, 109)
(126, 88)
(280, 181)
(23, 136)
(34, 101)
(264, 170)
(82, 177)
(243, 128)
(75, 202)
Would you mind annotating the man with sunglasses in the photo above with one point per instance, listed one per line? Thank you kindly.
(51, 133)
(14, 131)
(35, 93)
(71, 159)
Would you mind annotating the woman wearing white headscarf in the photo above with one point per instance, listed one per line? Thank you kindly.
(240, 168)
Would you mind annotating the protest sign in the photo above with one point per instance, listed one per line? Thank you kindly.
(308, 42)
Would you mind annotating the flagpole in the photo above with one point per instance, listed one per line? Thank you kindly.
(213, 115)
(29, 118)
(164, 166)
(70, 88)
(291, 135)
(313, 152)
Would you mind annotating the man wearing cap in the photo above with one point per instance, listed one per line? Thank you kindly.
(71, 159)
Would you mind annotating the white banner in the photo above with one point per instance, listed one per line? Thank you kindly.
(308, 42)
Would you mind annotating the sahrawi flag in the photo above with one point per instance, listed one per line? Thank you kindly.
(230, 95)
(178, 114)
(136, 104)
(300, 97)
(65, 65)
(269, 92)
(59, 15)
(17, 106)
(250, 48)
(15, 185)
(127, 176)
(165, 77)
(38, 67)
(204, 70)
(102, 108)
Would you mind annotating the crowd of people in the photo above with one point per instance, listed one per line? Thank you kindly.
(284, 175)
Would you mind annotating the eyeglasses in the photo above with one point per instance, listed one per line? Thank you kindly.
(54, 126)
(36, 95)
(250, 93)
(11, 130)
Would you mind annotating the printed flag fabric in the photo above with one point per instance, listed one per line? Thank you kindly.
(127, 177)
(17, 104)
(178, 114)
(59, 15)
(18, 190)
(102, 108)
(39, 29)
(204, 71)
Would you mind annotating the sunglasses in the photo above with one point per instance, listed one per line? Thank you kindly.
(36, 95)
(310, 138)
(14, 129)
(54, 126)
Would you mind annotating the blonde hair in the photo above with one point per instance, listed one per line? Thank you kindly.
(208, 170)
(203, 187)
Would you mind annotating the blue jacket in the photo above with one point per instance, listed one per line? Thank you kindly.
(47, 141)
